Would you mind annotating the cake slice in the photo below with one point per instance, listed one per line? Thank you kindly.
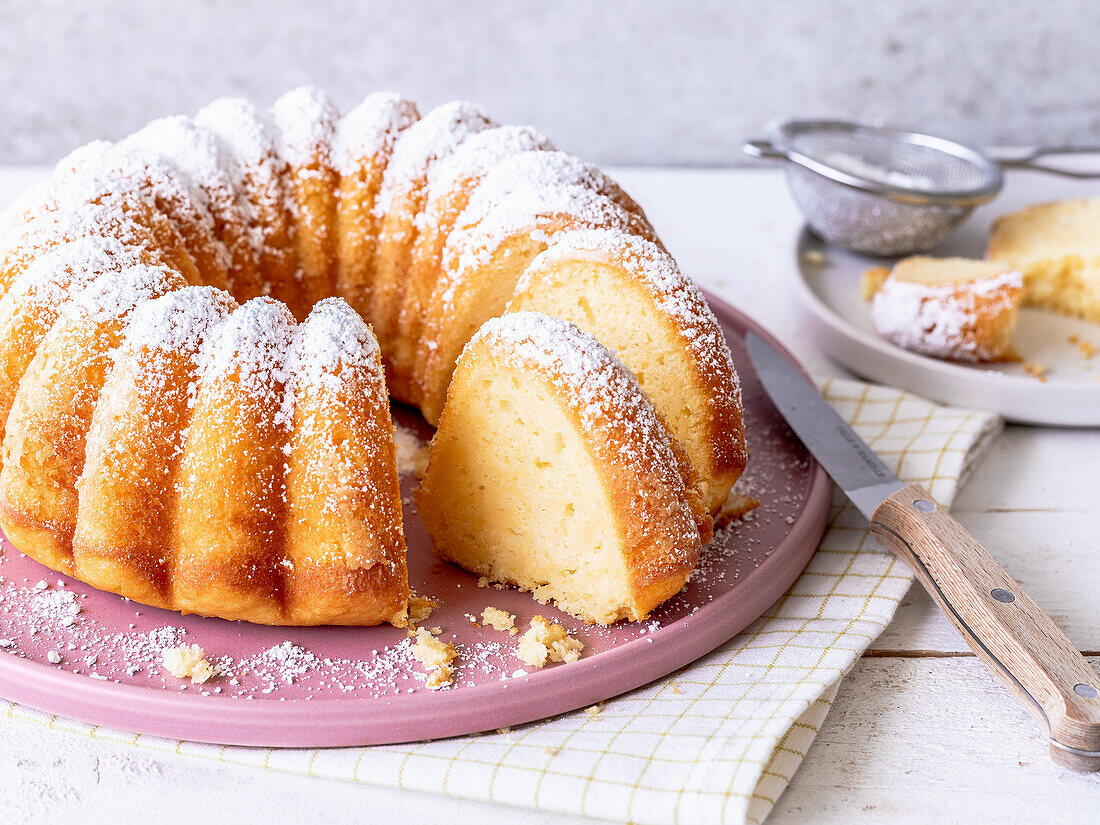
(631, 295)
(953, 308)
(552, 470)
(1056, 247)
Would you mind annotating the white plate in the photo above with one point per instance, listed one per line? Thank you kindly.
(838, 321)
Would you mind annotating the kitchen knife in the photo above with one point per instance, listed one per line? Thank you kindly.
(999, 621)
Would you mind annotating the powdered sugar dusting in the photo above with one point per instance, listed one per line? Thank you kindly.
(481, 152)
(250, 140)
(252, 347)
(305, 121)
(333, 337)
(114, 295)
(162, 333)
(371, 127)
(53, 277)
(334, 369)
(197, 152)
(518, 194)
(169, 188)
(73, 207)
(181, 321)
(434, 136)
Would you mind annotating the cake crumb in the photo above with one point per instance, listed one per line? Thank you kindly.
(420, 608)
(814, 257)
(1036, 371)
(1087, 348)
(545, 641)
(871, 280)
(187, 661)
(440, 677)
(593, 711)
(412, 456)
(549, 751)
(1073, 339)
(436, 656)
(499, 620)
(735, 507)
(483, 581)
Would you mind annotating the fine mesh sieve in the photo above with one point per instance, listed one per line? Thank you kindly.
(875, 189)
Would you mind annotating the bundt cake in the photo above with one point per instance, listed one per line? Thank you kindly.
(194, 410)
(953, 308)
(542, 418)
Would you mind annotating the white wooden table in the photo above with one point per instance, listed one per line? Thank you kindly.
(920, 732)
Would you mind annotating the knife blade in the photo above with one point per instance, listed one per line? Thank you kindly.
(1002, 625)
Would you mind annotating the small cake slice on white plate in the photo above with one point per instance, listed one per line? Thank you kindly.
(952, 308)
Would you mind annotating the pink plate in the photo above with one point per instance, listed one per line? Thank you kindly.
(69, 649)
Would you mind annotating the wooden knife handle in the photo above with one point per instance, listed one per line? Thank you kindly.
(999, 621)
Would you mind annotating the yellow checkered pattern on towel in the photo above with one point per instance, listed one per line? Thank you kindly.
(718, 741)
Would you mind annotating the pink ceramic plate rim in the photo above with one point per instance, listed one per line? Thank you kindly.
(355, 720)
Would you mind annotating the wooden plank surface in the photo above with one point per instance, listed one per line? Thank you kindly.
(920, 732)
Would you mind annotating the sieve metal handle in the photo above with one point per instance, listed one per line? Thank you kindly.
(763, 149)
(1027, 159)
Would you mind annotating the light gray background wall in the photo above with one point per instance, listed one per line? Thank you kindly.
(633, 82)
